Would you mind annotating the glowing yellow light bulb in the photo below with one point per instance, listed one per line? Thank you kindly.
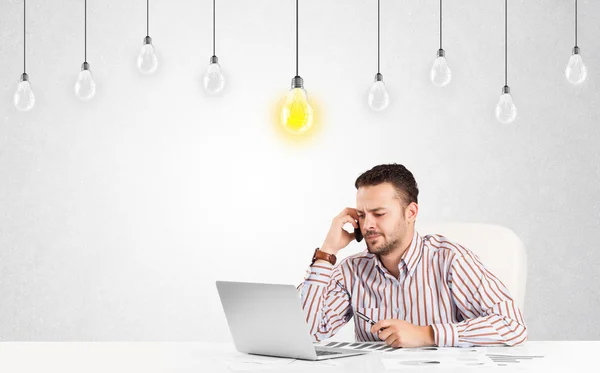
(297, 114)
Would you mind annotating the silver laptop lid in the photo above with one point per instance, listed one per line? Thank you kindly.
(266, 319)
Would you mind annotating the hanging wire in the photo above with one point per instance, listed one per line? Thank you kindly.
(214, 28)
(85, 32)
(378, 35)
(440, 24)
(296, 37)
(575, 22)
(24, 36)
(147, 17)
(505, 42)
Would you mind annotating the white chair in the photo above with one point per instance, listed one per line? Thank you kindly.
(499, 248)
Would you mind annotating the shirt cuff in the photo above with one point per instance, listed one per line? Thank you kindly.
(445, 335)
(319, 274)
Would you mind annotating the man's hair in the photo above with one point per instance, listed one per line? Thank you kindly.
(402, 179)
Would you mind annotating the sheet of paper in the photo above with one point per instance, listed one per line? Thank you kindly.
(439, 357)
(397, 358)
(322, 363)
(255, 362)
(360, 346)
(509, 358)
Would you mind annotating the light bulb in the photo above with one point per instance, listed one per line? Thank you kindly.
(214, 81)
(147, 61)
(576, 72)
(297, 114)
(440, 72)
(378, 96)
(24, 98)
(506, 111)
(85, 87)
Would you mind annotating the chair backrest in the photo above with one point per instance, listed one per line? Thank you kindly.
(499, 248)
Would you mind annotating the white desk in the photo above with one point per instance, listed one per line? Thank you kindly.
(138, 357)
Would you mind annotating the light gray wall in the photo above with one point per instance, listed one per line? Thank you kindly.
(117, 215)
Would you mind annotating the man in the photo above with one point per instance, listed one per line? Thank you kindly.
(420, 290)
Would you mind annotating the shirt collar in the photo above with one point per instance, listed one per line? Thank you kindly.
(412, 255)
(410, 258)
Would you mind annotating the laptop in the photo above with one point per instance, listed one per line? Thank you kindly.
(267, 319)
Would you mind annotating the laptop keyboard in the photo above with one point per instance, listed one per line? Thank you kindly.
(325, 353)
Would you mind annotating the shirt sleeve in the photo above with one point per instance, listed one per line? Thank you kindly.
(491, 317)
(325, 300)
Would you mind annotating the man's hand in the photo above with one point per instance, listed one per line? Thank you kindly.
(400, 333)
(338, 237)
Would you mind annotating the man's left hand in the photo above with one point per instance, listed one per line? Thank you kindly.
(400, 333)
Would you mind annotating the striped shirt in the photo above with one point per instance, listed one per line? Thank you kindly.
(441, 284)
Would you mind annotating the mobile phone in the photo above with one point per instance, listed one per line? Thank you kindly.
(357, 233)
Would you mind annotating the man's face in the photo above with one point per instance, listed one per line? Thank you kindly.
(381, 218)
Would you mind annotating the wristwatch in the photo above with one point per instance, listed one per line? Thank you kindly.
(324, 256)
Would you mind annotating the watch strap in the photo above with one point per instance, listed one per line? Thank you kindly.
(323, 256)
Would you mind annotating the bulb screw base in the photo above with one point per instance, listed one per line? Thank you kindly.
(441, 52)
(24, 77)
(505, 89)
(297, 82)
(85, 66)
(147, 40)
(575, 50)
(378, 77)
(214, 59)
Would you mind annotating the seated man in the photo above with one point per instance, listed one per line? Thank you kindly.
(420, 290)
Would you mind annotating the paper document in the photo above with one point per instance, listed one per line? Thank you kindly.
(359, 346)
(435, 356)
(255, 362)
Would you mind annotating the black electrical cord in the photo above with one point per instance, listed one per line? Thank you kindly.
(378, 37)
(296, 37)
(505, 42)
(85, 32)
(24, 36)
(575, 22)
(440, 24)
(214, 53)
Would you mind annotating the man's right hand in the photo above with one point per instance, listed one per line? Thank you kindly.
(338, 237)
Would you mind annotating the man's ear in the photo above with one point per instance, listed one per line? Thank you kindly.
(411, 212)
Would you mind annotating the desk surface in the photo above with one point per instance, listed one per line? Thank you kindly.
(198, 357)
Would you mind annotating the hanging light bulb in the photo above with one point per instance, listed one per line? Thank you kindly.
(576, 72)
(214, 81)
(297, 114)
(24, 99)
(440, 72)
(506, 111)
(147, 63)
(379, 98)
(85, 87)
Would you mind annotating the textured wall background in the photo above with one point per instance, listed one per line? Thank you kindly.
(117, 215)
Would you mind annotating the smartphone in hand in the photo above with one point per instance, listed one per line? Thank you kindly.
(358, 234)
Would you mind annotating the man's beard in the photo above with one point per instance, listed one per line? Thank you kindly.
(385, 248)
